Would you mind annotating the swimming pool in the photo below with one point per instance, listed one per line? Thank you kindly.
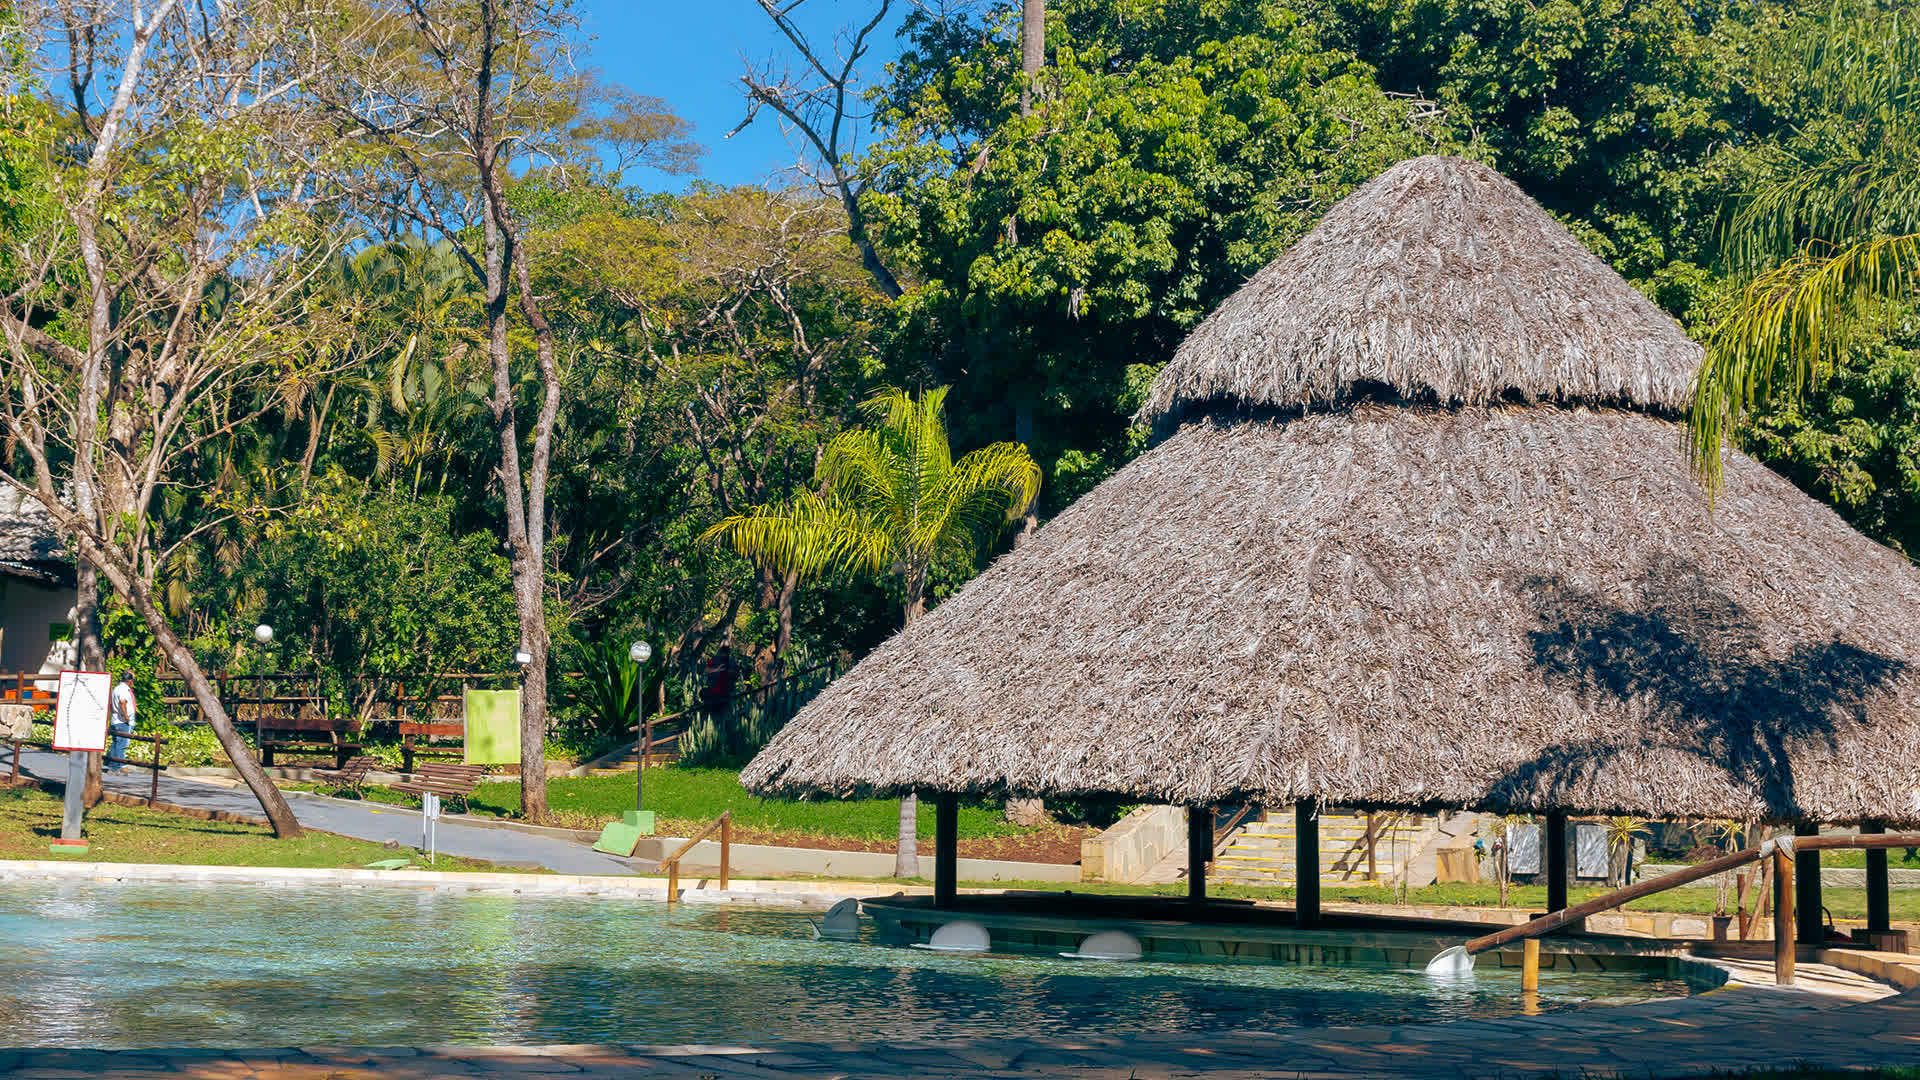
(117, 966)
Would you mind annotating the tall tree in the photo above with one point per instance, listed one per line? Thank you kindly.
(451, 96)
(157, 297)
(1176, 149)
(1831, 232)
(894, 501)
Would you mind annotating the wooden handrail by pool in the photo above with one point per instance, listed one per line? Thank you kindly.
(1780, 849)
(671, 864)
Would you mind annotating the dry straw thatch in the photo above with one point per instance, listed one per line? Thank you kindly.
(1481, 605)
(1438, 279)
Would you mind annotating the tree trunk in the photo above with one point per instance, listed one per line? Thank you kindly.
(1033, 48)
(279, 815)
(93, 657)
(906, 862)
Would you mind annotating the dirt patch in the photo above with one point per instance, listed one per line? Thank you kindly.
(1060, 844)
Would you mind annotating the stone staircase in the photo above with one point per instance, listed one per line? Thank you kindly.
(1261, 852)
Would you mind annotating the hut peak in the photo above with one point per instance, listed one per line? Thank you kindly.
(1439, 280)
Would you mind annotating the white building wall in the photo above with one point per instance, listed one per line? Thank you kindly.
(28, 612)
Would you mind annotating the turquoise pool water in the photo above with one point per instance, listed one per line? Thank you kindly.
(118, 966)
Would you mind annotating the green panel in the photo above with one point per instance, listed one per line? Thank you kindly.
(390, 864)
(493, 727)
(618, 838)
(639, 819)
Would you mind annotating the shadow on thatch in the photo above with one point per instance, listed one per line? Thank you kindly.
(1694, 671)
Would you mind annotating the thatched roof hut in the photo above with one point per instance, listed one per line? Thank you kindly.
(1424, 535)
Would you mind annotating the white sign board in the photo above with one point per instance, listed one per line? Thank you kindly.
(80, 716)
(1523, 849)
(1591, 858)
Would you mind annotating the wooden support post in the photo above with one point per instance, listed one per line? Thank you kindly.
(1199, 851)
(1306, 864)
(1556, 859)
(1373, 871)
(1530, 964)
(946, 849)
(1782, 919)
(1879, 910)
(673, 881)
(1811, 928)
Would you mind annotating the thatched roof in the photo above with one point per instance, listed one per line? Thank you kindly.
(30, 547)
(1501, 608)
(1441, 280)
(1377, 602)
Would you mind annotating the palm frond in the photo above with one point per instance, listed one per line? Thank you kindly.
(1789, 329)
(809, 536)
(980, 494)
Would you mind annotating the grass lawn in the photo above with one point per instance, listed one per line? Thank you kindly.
(690, 798)
(30, 821)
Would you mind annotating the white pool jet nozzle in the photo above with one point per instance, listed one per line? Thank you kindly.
(1454, 962)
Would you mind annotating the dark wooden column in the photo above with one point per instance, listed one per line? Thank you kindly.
(946, 849)
(1306, 864)
(1555, 856)
(1199, 851)
(1811, 925)
(1879, 910)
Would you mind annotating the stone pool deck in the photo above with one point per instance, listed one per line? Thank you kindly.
(1838, 1020)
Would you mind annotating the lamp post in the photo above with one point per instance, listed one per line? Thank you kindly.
(640, 652)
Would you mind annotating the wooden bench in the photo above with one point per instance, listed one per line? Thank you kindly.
(447, 779)
(418, 740)
(353, 775)
(307, 736)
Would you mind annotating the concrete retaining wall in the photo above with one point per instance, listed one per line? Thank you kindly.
(1831, 877)
(1135, 843)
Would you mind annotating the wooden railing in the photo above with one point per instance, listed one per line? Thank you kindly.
(1346, 863)
(1780, 850)
(1227, 821)
(156, 766)
(671, 864)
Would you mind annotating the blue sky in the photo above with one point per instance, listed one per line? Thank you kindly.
(690, 53)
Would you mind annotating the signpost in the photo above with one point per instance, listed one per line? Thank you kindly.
(429, 820)
(79, 728)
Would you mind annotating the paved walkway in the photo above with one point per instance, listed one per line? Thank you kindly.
(1736, 1029)
(365, 821)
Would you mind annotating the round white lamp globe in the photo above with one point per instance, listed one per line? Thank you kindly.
(639, 652)
(263, 633)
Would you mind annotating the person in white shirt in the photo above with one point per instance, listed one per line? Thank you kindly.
(122, 710)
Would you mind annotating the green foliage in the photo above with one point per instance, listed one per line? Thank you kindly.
(1853, 441)
(607, 689)
(702, 794)
(1831, 229)
(361, 580)
(1173, 149)
(895, 500)
(1615, 114)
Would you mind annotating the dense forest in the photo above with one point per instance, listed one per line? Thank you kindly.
(375, 343)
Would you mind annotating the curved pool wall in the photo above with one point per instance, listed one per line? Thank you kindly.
(117, 966)
(1242, 932)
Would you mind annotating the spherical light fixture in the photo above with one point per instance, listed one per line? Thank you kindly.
(639, 652)
(263, 633)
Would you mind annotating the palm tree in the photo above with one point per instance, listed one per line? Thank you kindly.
(1621, 833)
(1832, 236)
(891, 500)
